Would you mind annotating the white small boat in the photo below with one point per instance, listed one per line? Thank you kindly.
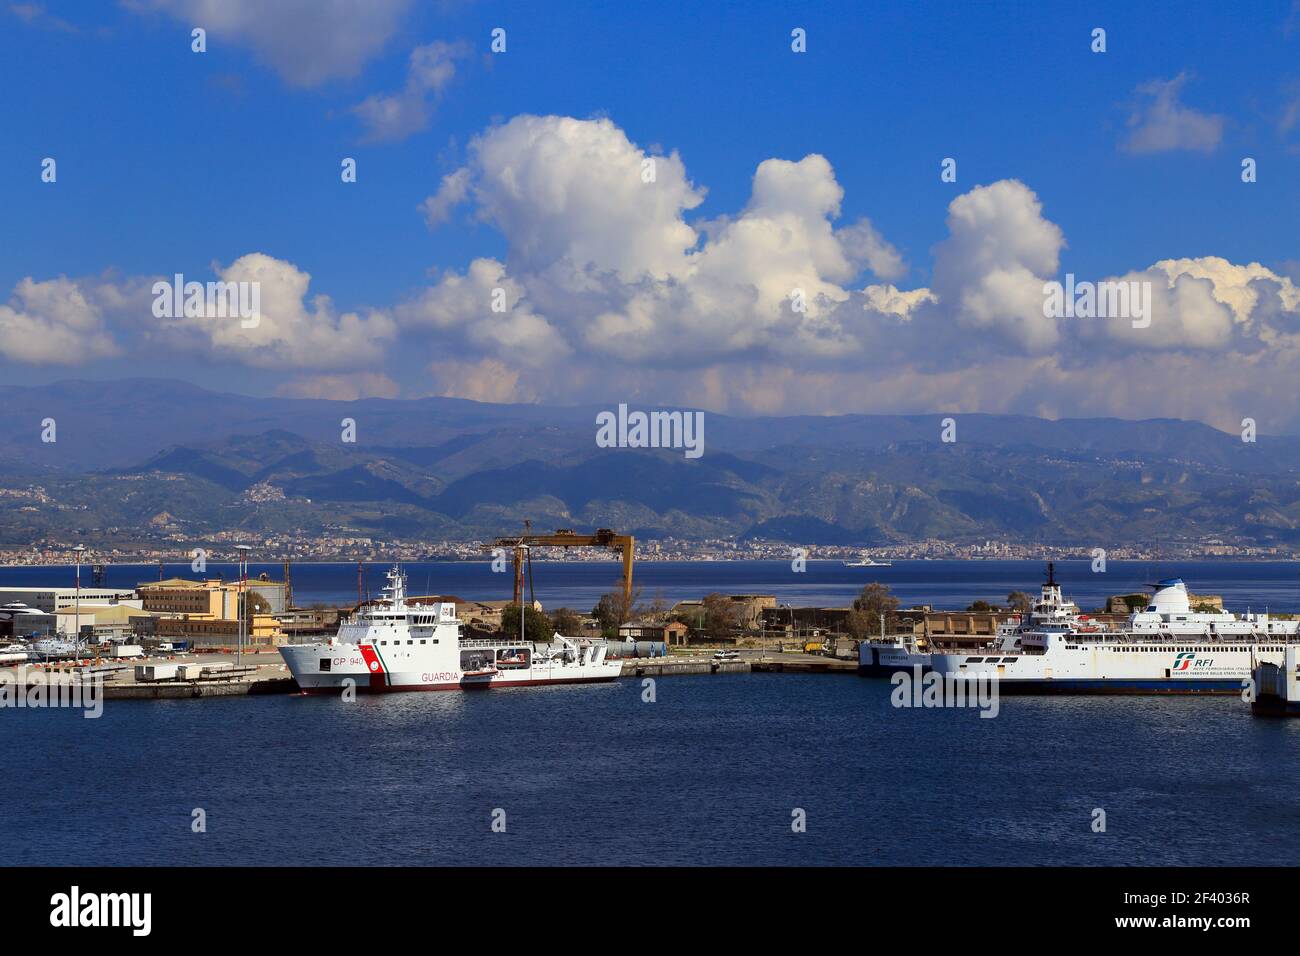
(14, 654)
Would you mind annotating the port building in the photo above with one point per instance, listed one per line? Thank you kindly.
(107, 622)
(20, 620)
(206, 613)
(669, 633)
(213, 596)
(52, 600)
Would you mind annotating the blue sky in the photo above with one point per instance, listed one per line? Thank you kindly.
(171, 161)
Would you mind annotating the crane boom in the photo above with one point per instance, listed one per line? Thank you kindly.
(625, 544)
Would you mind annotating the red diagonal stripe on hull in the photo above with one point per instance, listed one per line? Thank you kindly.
(374, 666)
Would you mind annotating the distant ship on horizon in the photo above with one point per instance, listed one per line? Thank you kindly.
(868, 562)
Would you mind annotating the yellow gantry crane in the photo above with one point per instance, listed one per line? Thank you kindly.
(566, 538)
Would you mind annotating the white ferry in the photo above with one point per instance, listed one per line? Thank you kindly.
(886, 655)
(1165, 648)
(393, 646)
(883, 656)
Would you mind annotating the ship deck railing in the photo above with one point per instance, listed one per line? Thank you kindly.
(1169, 637)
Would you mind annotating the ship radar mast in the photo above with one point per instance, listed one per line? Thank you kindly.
(396, 587)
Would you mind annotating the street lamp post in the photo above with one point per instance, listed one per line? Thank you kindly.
(524, 561)
(79, 550)
(241, 599)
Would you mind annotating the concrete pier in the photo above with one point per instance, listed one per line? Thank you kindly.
(260, 674)
(668, 667)
(814, 666)
(266, 673)
(748, 662)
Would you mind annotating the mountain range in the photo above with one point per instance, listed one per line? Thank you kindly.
(135, 460)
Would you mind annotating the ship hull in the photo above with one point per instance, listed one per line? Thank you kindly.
(882, 661)
(1273, 706)
(1175, 668)
(333, 669)
(1117, 687)
(365, 687)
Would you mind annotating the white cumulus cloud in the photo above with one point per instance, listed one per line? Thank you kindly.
(615, 291)
(293, 330)
(54, 322)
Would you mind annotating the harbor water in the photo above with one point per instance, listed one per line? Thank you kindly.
(694, 769)
(712, 771)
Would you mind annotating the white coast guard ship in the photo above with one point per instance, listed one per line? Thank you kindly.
(1165, 648)
(393, 646)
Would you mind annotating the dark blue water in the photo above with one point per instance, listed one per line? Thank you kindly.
(709, 773)
(945, 584)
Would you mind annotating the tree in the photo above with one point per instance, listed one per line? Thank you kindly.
(981, 607)
(613, 610)
(537, 626)
(859, 625)
(656, 610)
(606, 612)
(876, 600)
(566, 622)
(1020, 601)
(721, 615)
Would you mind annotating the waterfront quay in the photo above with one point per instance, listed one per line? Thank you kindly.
(745, 662)
(265, 673)
(218, 675)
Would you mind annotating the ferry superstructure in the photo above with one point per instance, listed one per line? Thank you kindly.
(883, 656)
(1164, 648)
(886, 655)
(395, 646)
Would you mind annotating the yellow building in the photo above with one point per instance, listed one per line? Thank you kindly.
(179, 596)
(212, 596)
(212, 633)
(206, 613)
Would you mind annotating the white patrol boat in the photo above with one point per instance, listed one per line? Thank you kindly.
(393, 646)
(1165, 648)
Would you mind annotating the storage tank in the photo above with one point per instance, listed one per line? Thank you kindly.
(638, 649)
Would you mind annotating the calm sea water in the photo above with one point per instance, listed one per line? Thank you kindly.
(945, 584)
(711, 772)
